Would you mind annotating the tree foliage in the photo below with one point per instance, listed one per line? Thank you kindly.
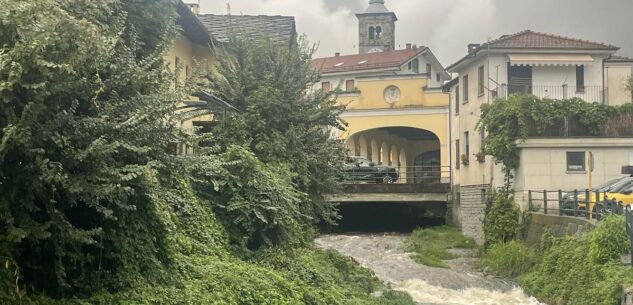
(287, 127)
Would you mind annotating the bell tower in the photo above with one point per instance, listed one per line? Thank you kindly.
(376, 28)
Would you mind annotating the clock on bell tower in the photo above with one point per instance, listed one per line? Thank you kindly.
(376, 28)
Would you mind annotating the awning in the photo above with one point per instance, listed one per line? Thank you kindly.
(549, 59)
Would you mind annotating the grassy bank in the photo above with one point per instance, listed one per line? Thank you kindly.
(584, 270)
(431, 245)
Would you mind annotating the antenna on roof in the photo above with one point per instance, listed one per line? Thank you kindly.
(228, 9)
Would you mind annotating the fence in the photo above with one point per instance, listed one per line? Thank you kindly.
(620, 125)
(588, 93)
(397, 175)
(575, 204)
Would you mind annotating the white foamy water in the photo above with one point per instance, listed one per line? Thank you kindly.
(461, 284)
(423, 293)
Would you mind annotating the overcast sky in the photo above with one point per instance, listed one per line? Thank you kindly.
(447, 26)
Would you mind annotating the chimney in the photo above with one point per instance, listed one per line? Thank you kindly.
(415, 47)
(194, 7)
(337, 54)
(408, 46)
(472, 47)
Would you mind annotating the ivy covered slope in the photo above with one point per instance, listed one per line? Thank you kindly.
(508, 122)
(96, 209)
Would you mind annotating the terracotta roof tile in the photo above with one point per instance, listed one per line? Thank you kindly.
(534, 40)
(275, 27)
(369, 61)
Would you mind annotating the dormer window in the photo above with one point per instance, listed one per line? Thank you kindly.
(378, 32)
(372, 32)
(415, 66)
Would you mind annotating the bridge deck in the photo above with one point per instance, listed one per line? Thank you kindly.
(392, 193)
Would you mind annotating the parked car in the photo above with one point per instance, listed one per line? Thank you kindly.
(361, 170)
(619, 190)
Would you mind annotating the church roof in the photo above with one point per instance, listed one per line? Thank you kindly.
(278, 28)
(376, 7)
(363, 62)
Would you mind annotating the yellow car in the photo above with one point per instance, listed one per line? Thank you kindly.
(621, 191)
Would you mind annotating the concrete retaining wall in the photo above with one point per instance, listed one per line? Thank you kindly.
(627, 296)
(559, 225)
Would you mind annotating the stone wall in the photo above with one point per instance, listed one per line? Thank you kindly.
(559, 225)
(627, 296)
(468, 210)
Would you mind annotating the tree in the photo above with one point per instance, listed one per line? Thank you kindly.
(82, 153)
(286, 125)
(629, 85)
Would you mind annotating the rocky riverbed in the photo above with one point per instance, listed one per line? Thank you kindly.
(460, 284)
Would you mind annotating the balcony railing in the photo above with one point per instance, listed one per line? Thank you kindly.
(620, 125)
(587, 93)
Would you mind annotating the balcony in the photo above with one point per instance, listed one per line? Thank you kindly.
(615, 127)
(597, 94)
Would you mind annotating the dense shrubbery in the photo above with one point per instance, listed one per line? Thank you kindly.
(94, 207)
(508, 259)
(501, 223)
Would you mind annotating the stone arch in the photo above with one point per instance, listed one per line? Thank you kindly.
(384, 153)
(378, 32)
(393, 156)
(375, 151)
(362, 143)
(351, 146)
(372, 32)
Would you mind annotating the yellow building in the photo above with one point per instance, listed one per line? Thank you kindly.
(396, 112)
(193, 52)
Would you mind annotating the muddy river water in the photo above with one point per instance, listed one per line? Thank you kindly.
(462, 284)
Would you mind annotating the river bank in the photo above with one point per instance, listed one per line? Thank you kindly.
(460, 284)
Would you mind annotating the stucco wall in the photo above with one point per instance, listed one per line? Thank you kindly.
(617, 76)
(544, 163)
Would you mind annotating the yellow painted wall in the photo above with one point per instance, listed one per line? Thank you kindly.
(191, 55)
(411, 95)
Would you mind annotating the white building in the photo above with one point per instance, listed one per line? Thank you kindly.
(547, 66)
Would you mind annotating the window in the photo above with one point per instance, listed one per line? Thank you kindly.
(349, 85)
(378, 32)
(438, 77)
(325, 86)
(465, 88)
(428, 69)
(480, 81)
(576, 161)
(457, 155)
(466, 144)
(456, 99)
(580, 78)
(372, 32)
(415, 65)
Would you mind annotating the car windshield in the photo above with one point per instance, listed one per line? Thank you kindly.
(621, 187)
(608, 186)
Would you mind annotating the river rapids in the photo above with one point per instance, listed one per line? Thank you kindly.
(462, 284)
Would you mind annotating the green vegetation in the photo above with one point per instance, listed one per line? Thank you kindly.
(430, 245)
(509, 259)
(579, 271)
(507, 121)
(96, 208)
(501, 223)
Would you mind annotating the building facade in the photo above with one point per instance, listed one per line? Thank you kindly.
(397, 114)
(547, 66)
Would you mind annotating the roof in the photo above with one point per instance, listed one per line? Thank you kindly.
(535, 40)
(191, 26)
(369, 61)
(452, 83)
(278, 28)
(615, 58)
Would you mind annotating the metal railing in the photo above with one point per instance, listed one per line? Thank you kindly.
(399, 175)
(574, 204)
(587, 93)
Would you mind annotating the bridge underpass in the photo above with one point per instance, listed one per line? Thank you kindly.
(391, 207)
